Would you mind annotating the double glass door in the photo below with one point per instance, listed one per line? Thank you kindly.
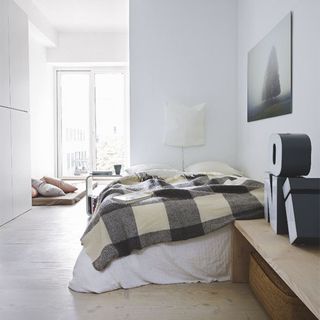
(93, 120)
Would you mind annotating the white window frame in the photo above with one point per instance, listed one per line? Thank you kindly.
(92, 71)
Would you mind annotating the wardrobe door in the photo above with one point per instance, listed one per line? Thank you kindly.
(21, 180)
(19, 57)
(5, 167)
(4, 54)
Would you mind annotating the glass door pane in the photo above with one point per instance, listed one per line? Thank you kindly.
(111, 120)
(74, 110)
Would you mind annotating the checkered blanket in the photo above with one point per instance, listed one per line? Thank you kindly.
(181, 208)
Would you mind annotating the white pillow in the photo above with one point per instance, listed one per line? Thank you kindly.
(163, 173)
(212, 166)
(46, 189)
(144, 167)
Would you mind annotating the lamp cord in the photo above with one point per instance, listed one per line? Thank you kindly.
(182, 160)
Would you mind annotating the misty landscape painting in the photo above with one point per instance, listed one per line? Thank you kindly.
(269, 74)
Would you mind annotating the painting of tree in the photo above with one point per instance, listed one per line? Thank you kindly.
(269, 77)
(271, 86)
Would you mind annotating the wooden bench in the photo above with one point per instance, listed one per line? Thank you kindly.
(298, 267)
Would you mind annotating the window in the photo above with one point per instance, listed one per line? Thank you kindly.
(93, 120)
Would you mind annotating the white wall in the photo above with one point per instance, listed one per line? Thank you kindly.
(90, 47)
(73, 48)
(256, 19)
(39, 22)
(183, 50)
(41, 110)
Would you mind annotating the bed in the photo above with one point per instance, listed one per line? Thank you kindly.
(203, 259)
(181, 234)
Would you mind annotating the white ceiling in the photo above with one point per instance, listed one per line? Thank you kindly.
(86, 15)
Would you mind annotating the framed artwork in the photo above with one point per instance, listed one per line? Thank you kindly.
(270, 74)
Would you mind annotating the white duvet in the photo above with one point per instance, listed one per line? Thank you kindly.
(203, 259)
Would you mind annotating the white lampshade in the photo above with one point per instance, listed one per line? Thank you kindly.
(184, 126)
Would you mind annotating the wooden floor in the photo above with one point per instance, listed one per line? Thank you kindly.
(37, 254)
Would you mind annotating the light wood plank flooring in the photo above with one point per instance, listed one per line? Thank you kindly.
(37, 254)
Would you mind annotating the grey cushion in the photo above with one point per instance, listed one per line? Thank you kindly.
(46, 189)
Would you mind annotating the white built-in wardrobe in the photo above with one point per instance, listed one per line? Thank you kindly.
(15, 193)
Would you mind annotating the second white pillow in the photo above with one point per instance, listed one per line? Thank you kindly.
(212, 166)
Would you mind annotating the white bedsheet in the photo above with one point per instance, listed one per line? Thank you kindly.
(202, 259)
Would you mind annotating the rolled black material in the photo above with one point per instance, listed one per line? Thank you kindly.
(303, 209)
(289, 154)
(276, 204)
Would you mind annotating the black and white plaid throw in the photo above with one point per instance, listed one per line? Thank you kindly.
(181, 208)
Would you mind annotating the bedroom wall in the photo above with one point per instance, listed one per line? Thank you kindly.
(255, 20)
(80, 47)
(41, 111)
(183, 50)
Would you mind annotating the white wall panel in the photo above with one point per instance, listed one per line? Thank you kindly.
(15, 187)
(21, 181)
(4, 54)
(19, 58)
(6, 213)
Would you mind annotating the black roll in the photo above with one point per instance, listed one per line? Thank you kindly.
(289, 154)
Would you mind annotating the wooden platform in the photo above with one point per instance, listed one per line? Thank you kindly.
(68, 199)
(298, 267)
